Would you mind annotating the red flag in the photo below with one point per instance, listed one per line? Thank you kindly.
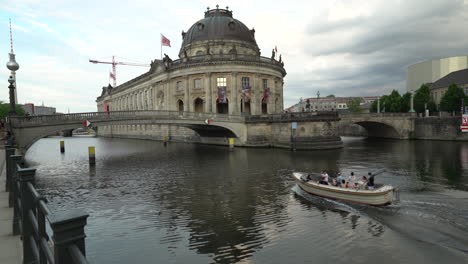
(86, 123)
(276, 50)
(111, 75)
(165, 41)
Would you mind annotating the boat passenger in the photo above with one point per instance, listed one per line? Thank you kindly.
(326, 177)
(351, 177)
(370, 182)
(334, 182)
(343, 184)
(339, 178)
(363, 183)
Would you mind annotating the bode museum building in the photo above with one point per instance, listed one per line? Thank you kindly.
(219, 70)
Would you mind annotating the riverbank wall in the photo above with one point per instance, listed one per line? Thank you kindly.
(439, 128)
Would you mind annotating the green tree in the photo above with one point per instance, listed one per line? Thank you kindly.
(451, 101)
(331, 95)
(353, 104)
(422, 97)
(5, 109)
(393, 102)
(406, 102)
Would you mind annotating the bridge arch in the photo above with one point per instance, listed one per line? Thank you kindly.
(373, 128)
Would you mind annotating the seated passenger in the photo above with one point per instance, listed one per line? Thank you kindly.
(351, 177)
(334, 182)
(339, 178)
(343, 184)
(370, 182)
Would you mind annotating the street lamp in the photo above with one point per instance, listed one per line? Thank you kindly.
(11, 80)
(412, 104)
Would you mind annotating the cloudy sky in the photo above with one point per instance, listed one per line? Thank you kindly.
(341, 47)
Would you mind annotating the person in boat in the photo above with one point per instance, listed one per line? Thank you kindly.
(334, 182)
(370, 182)
(343, 184)
(323, 178)
(339, 178)
(352, 178)
(363, 183)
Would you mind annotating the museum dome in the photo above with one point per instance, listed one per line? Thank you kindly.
(218, 24)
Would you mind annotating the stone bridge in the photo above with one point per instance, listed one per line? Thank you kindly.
(313, 130)
(383, 125)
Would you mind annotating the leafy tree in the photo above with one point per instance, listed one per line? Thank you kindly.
(353, 104)
(406, 102)
(421, 98)
(331, 95)
(5, 109)
(373, 107)
(393, 102)
(451, 101)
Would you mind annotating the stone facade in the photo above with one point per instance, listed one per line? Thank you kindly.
(222, 61)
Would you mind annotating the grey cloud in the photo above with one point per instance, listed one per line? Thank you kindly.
(384, 45)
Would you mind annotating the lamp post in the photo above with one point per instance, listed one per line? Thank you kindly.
(378, 105)
(11, 80)
(412, 104)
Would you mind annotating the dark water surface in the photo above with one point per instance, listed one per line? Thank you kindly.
(203, 204)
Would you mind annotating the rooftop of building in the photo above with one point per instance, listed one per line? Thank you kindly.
(457, 77)
(218, 24)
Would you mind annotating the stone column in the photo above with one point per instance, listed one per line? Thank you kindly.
(255, 103)
(187, 103)
(208, 93)
(167, 96)
(234, 105)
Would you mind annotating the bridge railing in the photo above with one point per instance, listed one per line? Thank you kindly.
(386, 114)
(294, 116)
(121, 115)
(32, 216)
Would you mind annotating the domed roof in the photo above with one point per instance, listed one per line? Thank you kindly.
(218, 24)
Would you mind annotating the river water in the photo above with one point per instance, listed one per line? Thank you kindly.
(188, 203)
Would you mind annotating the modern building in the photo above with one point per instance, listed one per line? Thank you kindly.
(439, 87)
(329, 104)
(219, 70)
(431, 71)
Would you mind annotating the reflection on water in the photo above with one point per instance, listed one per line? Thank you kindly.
(203, 204)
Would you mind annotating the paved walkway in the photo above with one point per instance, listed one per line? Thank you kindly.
(10, 246)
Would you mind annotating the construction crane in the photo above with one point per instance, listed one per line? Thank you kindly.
(114, 63)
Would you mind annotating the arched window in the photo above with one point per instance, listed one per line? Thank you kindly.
(200, 53)
(180, 104)
(198, 105)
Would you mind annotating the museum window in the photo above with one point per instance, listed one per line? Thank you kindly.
(179, 86)
(245, 82)
(199, 53)
(221, 82)
(265, 83)
(197, 84)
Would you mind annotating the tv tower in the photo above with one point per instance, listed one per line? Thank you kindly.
(13, 66)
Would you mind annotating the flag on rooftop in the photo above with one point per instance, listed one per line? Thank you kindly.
(165, 41)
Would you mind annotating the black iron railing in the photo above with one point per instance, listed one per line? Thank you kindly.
(32, 216)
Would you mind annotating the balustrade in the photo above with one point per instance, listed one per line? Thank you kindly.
(32, 215)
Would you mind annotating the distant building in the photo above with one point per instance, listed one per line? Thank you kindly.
(340, 104)
(31, 109)
(431, 71)
(438, 88)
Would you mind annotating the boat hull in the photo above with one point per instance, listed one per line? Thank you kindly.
(381, 196)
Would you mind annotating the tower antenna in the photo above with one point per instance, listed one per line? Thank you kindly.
(11, 39)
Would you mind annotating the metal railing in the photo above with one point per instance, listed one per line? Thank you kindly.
(294, 116)
(32, 216)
